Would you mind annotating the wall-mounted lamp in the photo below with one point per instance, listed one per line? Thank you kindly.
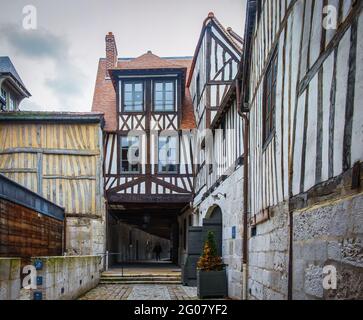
(219, 195)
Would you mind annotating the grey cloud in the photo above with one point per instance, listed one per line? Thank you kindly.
(40, 44)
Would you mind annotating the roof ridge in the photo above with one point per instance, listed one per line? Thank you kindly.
(228, 35)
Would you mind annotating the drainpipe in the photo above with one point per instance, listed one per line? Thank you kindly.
(65, 234)
(245, 194)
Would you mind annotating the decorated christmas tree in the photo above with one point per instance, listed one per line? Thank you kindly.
(210, 261)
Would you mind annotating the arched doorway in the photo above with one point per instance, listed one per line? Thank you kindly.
(214, 222)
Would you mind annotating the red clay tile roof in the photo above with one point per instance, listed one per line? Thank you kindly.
(148, 61)
(104, 99)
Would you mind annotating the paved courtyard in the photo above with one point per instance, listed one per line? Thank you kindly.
(140, 292)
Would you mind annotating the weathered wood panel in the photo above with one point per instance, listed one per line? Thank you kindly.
(61, 162)
(26, 233)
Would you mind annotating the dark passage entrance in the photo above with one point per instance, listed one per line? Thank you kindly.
(136, 230)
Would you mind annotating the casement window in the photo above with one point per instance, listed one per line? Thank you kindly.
(133, 96)
(269, 99)
(130, 151)
(12, 105)
(3, 98)
(164, 96)
(168, 154)
(3, 94)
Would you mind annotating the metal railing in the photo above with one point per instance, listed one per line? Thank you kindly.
(107, 255)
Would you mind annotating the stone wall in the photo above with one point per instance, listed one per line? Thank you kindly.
(9, 278)
(330, 234)
(65, 278)
(232, 209)
(268, 257)
(86, 236)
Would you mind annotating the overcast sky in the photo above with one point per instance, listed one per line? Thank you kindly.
(58, 61)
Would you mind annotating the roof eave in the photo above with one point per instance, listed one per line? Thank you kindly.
(19, 86)
(52, 117)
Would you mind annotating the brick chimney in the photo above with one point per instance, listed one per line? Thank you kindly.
(111, 52)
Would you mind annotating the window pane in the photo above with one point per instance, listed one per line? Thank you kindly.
(128, 97)
(158, 86)
(138, 86)
(128, 87)
(169, 86)
(169, 96)
(159, 96)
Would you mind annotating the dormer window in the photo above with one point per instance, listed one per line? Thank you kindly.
(133, 96)
(164, 96)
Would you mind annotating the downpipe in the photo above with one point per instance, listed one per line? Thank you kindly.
(245, 196)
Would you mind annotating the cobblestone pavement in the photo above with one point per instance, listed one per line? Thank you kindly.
(140, 292)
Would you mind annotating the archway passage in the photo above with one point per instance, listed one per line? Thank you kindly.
(135, 230)
(214, 222)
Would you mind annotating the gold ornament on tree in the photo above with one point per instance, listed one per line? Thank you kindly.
(210, 261)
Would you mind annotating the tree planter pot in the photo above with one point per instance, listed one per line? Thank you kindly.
(212, 284)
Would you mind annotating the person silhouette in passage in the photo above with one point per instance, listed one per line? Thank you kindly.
(157, 250)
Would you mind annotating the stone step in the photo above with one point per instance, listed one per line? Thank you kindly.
(125, 279)
(141, 282)
(139, 277)
(143, 275)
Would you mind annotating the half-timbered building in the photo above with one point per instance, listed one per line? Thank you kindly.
(301, 85)
(218, 148)
(148, 176)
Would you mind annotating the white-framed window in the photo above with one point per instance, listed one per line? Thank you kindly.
(164, 96)
(168, 154)
(133, 96)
